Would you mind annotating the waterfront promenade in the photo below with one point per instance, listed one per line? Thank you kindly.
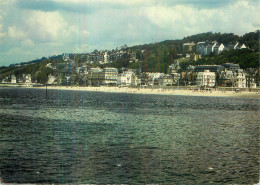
(162, 91)
(185, 91)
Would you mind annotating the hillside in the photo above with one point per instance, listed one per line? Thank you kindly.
(155, 57)
(244, 57)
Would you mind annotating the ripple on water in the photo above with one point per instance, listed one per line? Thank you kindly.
(101, 138)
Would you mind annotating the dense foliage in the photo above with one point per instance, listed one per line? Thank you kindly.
(244, 57)
(156, 57)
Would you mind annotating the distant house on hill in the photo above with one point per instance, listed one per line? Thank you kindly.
(174, 68)
(231, 66)
(189, 46)
(205, 48)
(212, 68)
(201, 48)
(218, 48)
(236, 45)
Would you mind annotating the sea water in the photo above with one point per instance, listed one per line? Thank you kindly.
(100, 138)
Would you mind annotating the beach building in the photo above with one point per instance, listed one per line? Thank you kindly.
(252, 85)
(94, 76)
(153, 78)
(51, 79)
(206, 79)
(126, 78)
(165, 80)
(240, 79)
(13, 79)
(109, 76)
(28, 78)
(226, 78)
(175, 77)
(5, 80)
(122, 80)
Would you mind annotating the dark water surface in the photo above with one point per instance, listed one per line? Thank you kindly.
(93, 137)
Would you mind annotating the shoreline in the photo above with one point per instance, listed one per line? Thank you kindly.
(159, 91)
(155, 91)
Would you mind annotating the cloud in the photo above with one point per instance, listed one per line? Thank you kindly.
(46, 26)
(81, 6)
(16, 33)
(2, 34)
(28, 43)
(31, 29)
(186, 20)
(208, 4)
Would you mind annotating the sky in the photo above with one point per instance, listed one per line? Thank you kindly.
(31, 29)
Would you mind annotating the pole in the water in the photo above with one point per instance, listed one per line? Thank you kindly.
(46, 92)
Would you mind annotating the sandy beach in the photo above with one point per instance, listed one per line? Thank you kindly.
(242, 94)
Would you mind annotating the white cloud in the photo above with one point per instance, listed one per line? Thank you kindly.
(28, 42)
(2, 34)
(185, 20)
(16, 33)
(46, 27)
(122, 2)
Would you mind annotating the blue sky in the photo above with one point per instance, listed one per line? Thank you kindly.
(31, 29)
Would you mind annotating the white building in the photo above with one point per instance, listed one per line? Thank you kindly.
(237, 45)
(240, 80)
(5, 80)
(51, 79)
(218, 48)
(166, 80)
(109, 76)
(28, 79)
(13, 79)
(94, 76)
(188, 46)
(200, 48)
(106, 58)
(154, 77)
(243, 46)
(206, 79)
(127, 78)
